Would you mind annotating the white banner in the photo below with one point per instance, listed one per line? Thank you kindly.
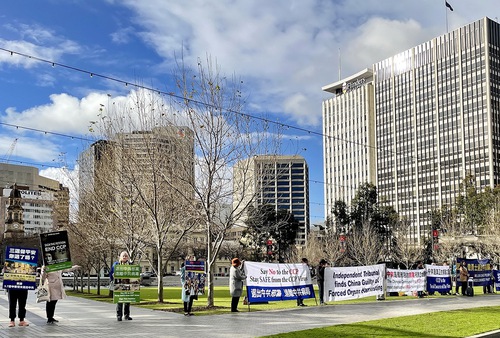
(437, 270)
(278, 281)
(354, 282)
(405, 280)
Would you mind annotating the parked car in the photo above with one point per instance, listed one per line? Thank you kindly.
(68, 274)
(148, 274)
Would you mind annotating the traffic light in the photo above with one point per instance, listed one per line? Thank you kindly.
(435, 235)
(435, 239)
(269, 244)
(342, 239)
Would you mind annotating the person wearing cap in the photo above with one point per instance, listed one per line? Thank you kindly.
(236, 278)
(320, 275)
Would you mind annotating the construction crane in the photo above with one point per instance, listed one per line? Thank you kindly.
(11, 150)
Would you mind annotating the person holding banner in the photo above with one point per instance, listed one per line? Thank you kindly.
(236, 278)
(320, 276)
(464, 275)
(56, 290)
(188, 293)
(17, 297)
(300, 300)
(121, 308)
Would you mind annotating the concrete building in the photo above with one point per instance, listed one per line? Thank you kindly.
(282, 181)
(437, 113)
(44, 201)
(125, 165)
(348, 137)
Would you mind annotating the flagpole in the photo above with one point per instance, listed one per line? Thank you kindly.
(340, 66)
(446, 9)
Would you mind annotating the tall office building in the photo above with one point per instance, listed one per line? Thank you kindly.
(348, 137)
(437, 114)
(155, 164)
(138, 155)
(282, 181)
(44, 201)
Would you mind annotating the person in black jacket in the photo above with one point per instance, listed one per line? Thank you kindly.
(320, 275)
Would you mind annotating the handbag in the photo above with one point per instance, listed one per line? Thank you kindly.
(43, 293)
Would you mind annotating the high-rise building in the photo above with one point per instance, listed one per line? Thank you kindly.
(44, 201)
(348, 137)
(167, 150)
(437, 114)
(153, 167)
(278, 180)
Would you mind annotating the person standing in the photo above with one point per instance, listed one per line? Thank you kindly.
(420, 266)
(187, 293)
(236, 278)
(464, 275)
(56, 291)
(300, 300)
(17, 297)
(121, 308)
(320, 275)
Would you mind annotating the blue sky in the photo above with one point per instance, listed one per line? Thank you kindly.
(284, 51)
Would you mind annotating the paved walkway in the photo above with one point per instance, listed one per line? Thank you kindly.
(85, 318)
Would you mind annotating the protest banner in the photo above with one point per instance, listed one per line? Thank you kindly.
(479, 270)
(346, 283)
(405, 280)
(438, 278)
(20, 268)
(55, 251)
(127, 284)
(195, 277)
(277, 281)
(496, 277)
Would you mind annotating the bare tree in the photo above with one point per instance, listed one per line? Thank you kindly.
(224, 137)
(405, 249)
(364, 245)
(325, 246)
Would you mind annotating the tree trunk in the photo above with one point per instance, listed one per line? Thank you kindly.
(88, 282)
(210, 275)
(99, 277)
(159, 276)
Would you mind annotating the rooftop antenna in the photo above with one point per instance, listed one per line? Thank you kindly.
(340, 66)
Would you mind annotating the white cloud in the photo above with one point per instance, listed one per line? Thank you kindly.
(69, 179)
(287, 50)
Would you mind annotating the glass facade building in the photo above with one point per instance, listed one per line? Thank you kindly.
(437, 111)
(279, 180)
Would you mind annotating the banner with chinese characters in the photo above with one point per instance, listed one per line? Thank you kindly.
(127, 284)
(438, 278)
(479, 270)
(195, 277)
(405, 280)
(354, 282)
(20, 268)
(55, 251)
(496, 278)
(277, 281)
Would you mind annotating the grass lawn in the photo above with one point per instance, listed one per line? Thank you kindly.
(457, 323)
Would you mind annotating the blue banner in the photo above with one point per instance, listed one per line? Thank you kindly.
(276, 293)
(278, 281)
(440, 284)
(496, 277)
(20, 268)
(480, 270)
